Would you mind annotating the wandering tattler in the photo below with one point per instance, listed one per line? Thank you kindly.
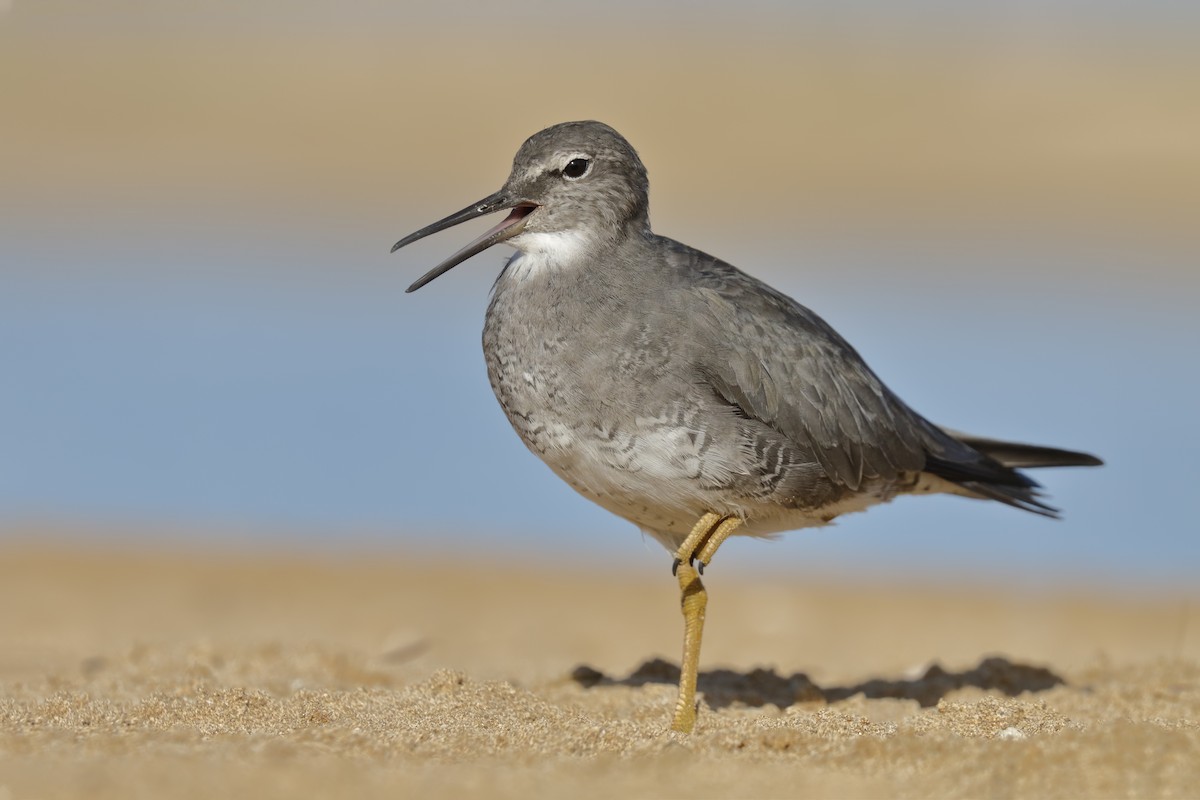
(682, 394)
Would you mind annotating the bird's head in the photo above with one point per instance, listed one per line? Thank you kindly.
(573, 186)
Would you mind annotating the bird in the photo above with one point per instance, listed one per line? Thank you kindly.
(684, 395)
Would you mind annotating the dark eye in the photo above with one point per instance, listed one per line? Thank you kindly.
(576, 168)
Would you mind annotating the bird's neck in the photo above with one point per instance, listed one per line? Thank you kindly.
(542, 254)
(559, 247)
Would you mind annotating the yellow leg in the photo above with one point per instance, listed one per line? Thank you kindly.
(693, 599)
(715, 539)
(702, 544)
(695, 540)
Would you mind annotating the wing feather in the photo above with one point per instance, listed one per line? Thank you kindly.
(785, 367)
(777, 363)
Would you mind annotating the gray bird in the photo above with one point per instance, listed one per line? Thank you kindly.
(682, 394)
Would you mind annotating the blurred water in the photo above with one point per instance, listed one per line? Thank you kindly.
(293, 393)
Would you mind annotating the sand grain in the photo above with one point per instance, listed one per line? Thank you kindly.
(170, 675)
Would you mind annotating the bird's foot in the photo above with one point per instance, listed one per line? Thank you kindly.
(687, 551)
(723, 531)
(701, 544)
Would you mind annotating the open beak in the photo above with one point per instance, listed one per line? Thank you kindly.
(510, 226)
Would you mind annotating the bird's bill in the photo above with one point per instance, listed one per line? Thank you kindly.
(510, 226)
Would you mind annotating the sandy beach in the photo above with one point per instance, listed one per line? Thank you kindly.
(126, 674)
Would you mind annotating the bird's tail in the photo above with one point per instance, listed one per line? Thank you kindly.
(992, 472)
(1015, 454)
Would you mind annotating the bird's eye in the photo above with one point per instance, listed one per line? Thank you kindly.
(576, 168)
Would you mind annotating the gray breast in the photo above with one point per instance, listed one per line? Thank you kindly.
(616, 407)
(586, 387)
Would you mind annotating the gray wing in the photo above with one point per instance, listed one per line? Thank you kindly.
(811, 403)
(779, 363)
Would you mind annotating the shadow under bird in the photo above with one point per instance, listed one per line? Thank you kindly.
(682, 394)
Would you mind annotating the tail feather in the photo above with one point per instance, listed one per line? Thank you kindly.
(1016, 454)
(1026, 499)
(991, 472)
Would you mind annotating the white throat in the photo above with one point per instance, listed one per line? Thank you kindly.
(538, 251)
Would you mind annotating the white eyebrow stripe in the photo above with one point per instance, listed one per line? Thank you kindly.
(572, 156)
(534, 171)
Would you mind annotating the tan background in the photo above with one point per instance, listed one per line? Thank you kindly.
(1055, 125)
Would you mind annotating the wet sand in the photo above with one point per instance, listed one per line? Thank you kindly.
(132, 674)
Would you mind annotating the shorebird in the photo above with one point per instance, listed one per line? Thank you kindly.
(682, 394)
